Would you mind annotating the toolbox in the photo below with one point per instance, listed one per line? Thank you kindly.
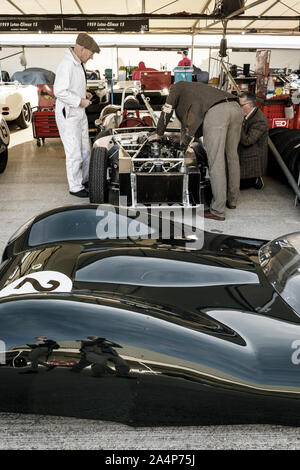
(44, 126)
(183, 74)
(275, 112)
(43, 119)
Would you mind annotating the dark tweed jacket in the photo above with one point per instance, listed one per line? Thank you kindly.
(253, 147)
(191, 101)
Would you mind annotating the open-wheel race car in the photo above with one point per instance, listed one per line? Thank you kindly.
(126, 165)
(152, 330)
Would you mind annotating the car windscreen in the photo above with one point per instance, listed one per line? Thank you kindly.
(88, 224)
(280, 261)
(161, 272)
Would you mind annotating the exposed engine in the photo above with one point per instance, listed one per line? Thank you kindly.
(165, 155)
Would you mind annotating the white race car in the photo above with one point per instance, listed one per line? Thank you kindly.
(17, 101)
(4, 141)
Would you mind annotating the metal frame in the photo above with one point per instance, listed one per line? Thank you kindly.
(134, 158)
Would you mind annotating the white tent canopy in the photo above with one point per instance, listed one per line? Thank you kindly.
(179, 41)
(193, 17)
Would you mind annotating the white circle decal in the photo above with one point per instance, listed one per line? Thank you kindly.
(38, 283)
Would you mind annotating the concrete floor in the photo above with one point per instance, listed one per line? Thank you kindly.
(35, 181)
(35, 432)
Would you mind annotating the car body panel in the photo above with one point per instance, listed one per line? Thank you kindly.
(205, 337)
(14, 96)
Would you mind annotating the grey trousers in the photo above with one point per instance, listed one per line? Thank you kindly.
(221, 135)
(100, 361)
(34, 356)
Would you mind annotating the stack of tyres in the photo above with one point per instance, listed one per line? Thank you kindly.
(287, 142)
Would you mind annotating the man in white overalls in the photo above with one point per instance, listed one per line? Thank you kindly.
(71, 119)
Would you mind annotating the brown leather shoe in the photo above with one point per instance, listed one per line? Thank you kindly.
(230, 206)
(209, 215)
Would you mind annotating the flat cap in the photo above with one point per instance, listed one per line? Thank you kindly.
(88, 42)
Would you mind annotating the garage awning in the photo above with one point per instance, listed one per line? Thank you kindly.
(153, 16)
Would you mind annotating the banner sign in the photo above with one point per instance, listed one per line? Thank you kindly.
(30, 25)
(243, 49)
(53, 25)
(103, 25)
(178, 49)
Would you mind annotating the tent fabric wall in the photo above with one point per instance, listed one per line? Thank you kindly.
(37, 57)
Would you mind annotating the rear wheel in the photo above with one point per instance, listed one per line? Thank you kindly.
(286, 142)
(25, 117)
(275, 131)
(3, 160)
(98, 186)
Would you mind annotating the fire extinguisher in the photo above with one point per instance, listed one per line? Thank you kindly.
(297, 117)
(289, 113)
(296, 101)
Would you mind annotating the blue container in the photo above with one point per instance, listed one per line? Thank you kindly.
(183, 73)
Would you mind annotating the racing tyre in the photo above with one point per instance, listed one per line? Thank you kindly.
(3, 160)
(286, 143)
(19, 361)
(98, 186)
(25, 117)
(275, 131)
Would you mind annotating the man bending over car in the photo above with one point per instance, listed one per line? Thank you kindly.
(215, 114)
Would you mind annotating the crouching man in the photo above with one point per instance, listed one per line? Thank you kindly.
(253, 146)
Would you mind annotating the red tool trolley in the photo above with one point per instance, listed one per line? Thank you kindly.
(43, 119)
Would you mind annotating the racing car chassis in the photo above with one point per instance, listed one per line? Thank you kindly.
(143, 171)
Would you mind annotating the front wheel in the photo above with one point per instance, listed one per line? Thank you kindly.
(24, 119)
(98, 186)
(3, 160)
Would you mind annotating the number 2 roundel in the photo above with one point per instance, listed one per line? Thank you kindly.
(38, 283)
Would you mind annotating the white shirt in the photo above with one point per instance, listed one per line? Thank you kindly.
(250, 114)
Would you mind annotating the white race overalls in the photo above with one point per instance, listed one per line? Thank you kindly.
(71, 119)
